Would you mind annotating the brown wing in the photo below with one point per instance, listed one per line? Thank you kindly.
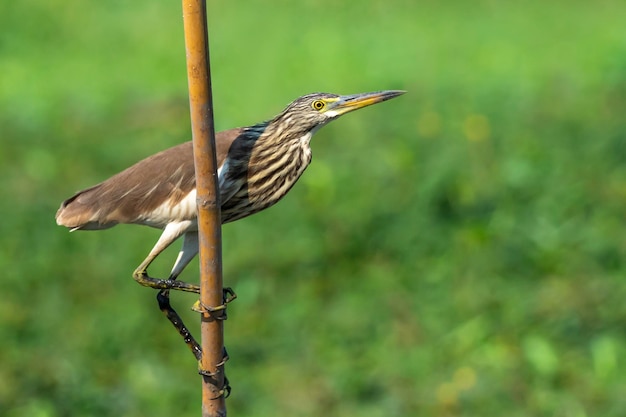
(167, 176)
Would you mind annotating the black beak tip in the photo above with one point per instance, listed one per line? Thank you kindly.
(394, 93)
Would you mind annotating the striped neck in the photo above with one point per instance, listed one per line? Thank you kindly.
(271, 169)
(276, 165)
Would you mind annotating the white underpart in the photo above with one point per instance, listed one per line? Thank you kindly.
(190, 246)
(181, 219)
(184, 210)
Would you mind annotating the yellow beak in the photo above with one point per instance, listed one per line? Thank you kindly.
(345, 104)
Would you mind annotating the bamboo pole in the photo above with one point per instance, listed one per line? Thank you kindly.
(209, 224)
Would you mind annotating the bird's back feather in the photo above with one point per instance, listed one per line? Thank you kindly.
(161, 180)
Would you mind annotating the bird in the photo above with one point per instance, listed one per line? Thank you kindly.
(256, 167)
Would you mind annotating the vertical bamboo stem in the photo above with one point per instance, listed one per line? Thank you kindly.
(209, 224)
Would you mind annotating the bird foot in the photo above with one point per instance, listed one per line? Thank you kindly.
(226, 388)
(228, 296)
(144, 279)
(204, 372)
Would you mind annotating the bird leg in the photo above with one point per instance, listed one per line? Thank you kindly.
(190, 248)
(186, 254)
(163, 298)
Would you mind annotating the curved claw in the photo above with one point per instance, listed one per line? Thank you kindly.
(226, 388)
(228, 296)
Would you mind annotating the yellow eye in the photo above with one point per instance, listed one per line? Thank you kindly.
(318, 105)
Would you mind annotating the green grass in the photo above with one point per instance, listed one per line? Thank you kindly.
(458, 251)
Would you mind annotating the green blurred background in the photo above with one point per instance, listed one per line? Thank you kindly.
(458, 251)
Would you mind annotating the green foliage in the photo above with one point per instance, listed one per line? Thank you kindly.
(458, 251)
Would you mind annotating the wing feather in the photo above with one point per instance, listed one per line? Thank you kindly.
(163, 178)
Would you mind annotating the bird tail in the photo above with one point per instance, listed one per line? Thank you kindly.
(80, 213)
